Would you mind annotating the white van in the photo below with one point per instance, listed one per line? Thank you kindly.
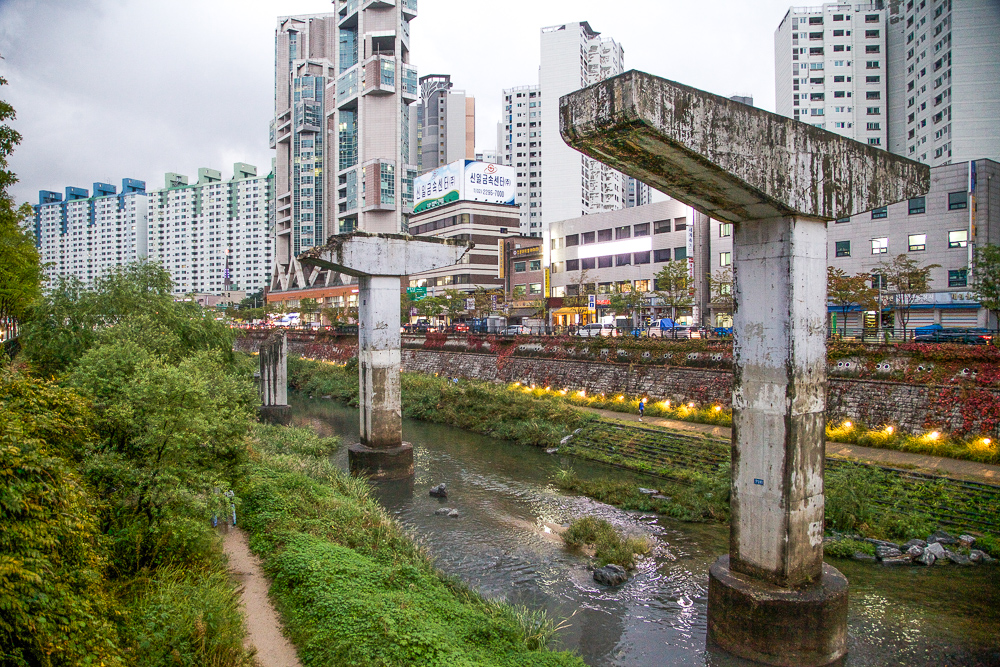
(596, 330)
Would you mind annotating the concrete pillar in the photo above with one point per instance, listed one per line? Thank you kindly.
(273, 387)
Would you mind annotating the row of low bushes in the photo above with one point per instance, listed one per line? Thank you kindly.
(481, 407)
(352, 587)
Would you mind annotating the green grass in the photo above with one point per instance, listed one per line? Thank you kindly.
(481, 407)
(352, 586)
(610, 546)
(847, 548)
(936, 443)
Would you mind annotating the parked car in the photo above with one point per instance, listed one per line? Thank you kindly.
(973, 336)
(516, 330)
(596, 330)
(679, 331)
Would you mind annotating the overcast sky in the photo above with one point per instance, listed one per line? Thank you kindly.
(106, 89)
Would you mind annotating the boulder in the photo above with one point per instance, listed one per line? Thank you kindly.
(911, 543)
(957, 558)
(881, 543)
(863, 557)
(896, 560)
(925, 558)
(941, 537)
(977, 556)
(439, 491)
(551, 450)
(883, 552)
(566, 439)
(915, 551)
(453, 514)
(657, 496)
(610, 575)
(936, 549)
(966, 541)
(442, 511)
(648, 492)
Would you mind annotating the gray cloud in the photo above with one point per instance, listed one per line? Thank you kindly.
(108, 89)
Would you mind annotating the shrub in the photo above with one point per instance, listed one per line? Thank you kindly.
(609, 545)
(847, 548)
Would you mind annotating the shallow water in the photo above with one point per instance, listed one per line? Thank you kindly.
(501, 545)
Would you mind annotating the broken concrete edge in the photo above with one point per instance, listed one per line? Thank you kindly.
(391, 463)
(280, 415)
(778, 626)
(335, 244)
(624, 120)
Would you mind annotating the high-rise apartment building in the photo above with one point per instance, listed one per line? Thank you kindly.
(830, 69)
(521, 147)
(574, 56)
(342, 130)
(637, 193)
(944, 88)
(213, 235)
(84, 235)
(447, 123)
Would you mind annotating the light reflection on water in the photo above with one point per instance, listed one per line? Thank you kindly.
(501, 546)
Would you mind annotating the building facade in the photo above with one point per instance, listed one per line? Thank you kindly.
(961, 211)
(447, 123)
(830, 69)
(945, 80)
(84, 235)
(521, 147)
(213, 236)
(342, 131)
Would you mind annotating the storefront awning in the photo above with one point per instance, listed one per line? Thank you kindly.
(572, 311)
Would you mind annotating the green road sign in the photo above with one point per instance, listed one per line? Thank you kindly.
(417, 293)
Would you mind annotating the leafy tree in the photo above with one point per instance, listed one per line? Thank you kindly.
(986, 279)
(674, 288)
(454, 303)
(627, 301)
(721, 286)
(254, 300)
(20, 267)
(845, 291)
(307, 308)
(430, 306)
(581, 288)
(907, 282)
(484, 301)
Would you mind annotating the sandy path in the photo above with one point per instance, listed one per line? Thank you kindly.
(263, 624)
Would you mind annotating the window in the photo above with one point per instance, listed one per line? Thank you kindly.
(680, 224)
(958, 239)
(725, 258)
(843, 248)
(873, 95)
(588, 237)
(572, 265)
(625, 259)
(535, 288)
(641, 230)
(917, 242)
(958, 278)
(879, 281)
(535, 265)
(880, 213)
(681, 253)
(726, 229)
(520, 267)
(588, 263)
(605, 235)
(605, 262)
(871, 18)
(870, 34)
(518, 291)
(572, 239)
(957, 200)
(840, 221)
(642, 285)
(623, 232)
(874, 126)
(874, 111)
(880, 246)
(872, 48)
(661, 255)
(641, 258)
(918, 205)
(873, 79)
(661, 227)
(815, 20)
(838, 79)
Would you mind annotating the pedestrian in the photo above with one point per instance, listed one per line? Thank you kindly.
(642, 407)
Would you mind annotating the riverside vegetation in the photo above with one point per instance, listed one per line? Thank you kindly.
(114, 467)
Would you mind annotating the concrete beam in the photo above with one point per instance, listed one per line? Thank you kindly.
(362, 254)
(729, 160)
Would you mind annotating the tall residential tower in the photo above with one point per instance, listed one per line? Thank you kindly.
(447, 123)
(342, 131)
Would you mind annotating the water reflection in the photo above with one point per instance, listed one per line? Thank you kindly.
(503, 543)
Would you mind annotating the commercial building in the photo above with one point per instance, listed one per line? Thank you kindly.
(342, 131)
(84, 234)
(830, 69)
(961, 211)
(944, 83)
(213, 235)
(524, 278)
(447, 129)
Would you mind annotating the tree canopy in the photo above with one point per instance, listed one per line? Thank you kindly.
(986, 278)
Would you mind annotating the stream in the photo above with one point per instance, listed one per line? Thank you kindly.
(503, 544)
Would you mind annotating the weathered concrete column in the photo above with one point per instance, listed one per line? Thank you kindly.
(273, 386)
(772, 599)
(379, 261)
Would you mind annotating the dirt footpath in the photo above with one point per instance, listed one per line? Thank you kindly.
(263, 624)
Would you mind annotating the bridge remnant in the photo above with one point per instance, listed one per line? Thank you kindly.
(273, 386)
(379, 261)
(772, 599)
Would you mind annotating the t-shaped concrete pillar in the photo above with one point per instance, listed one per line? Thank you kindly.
(273, 355)
(772, 599)
(379, 261)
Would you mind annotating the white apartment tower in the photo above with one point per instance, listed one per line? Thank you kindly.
(521, 147)
(447, 123)
(573, 56)
(830, 69)
(944, 91)
(342, 130)
(213, 235)
(84, 235)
